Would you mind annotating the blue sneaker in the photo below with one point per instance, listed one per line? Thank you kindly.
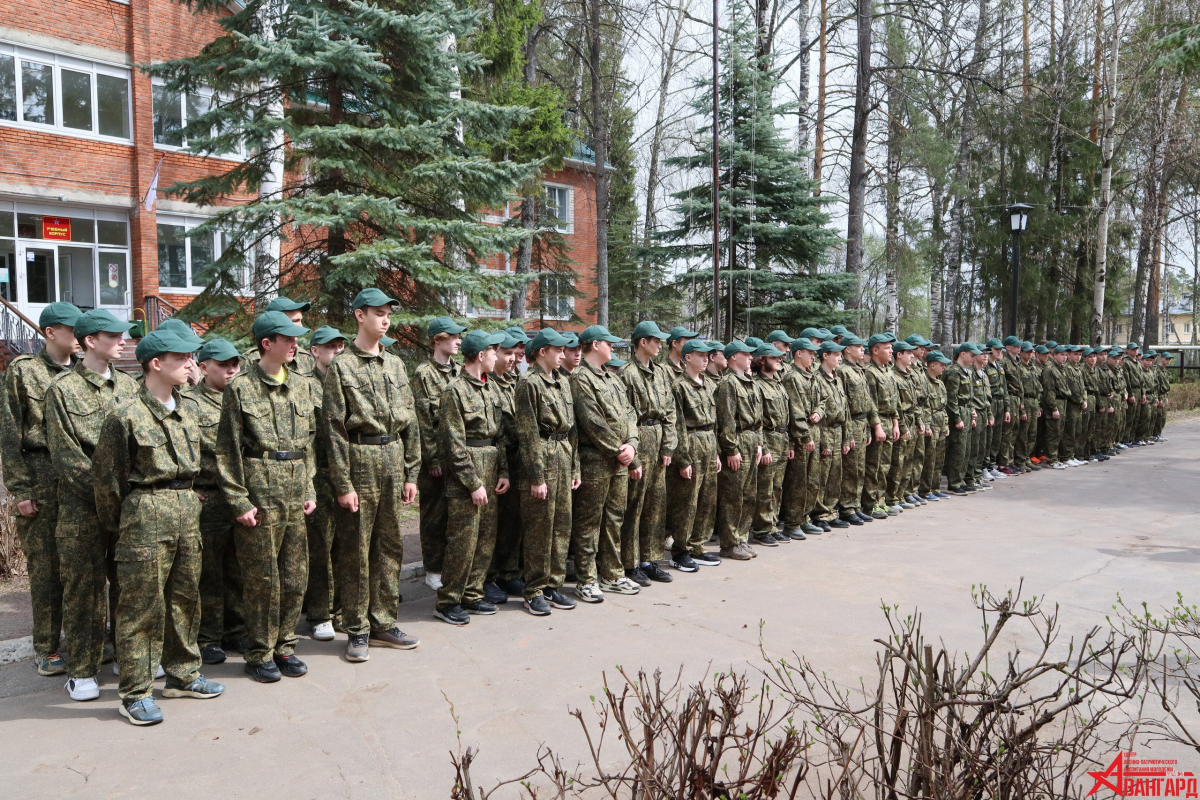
(201, 689)
(142, 712)
(932, 496)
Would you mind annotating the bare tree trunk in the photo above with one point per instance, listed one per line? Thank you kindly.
(857, 200)
(895, 107)
(1026, 85)
(600, 134)
(803, 107)
(819, 148)
(264, 279)
(937, 331)
(1151, 188)
(520, 299)
(1107, 148)
(675, 19)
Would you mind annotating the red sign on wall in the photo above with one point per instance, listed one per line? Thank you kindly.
(56, 228)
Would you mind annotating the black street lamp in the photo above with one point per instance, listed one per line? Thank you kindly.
(1018, 219)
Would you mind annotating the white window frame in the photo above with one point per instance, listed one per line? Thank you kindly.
(58, 62)
(219, 244)
(565, 225)
(543, 298)
(158, 83)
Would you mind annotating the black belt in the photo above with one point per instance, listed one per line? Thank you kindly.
(358, 438)
(177, 484)
(646, 422)
(480, 442)
(707, 427)
(273, 455)
(554, 437)
(859, 417)
(205, 487)
(777, 430)
(752, 429)
(45, 450)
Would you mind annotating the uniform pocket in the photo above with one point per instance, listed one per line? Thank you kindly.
(87, 423)
(133, 552)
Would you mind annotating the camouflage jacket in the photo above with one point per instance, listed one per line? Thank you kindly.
(957, 380)
(76, 405)
(997, 375)
(205, 405)
(1120, 389)
(505, 388)
(1134, 378)
(470, 410)
(1031, 387)
(858, 393)
(739, 412)
(935, 400)
(882, 383)
(23, 422)
(981, 395)
(1055, 388)
(921, 389)
(775, 411)
(260, 414)
(1091, 387)
(803, 402)
(368, 395)
(544, 409)
(648, 389)
(833, 400)
(1075, 382)
(142, 443)
(694, 408)
(321, 439)
(908, 399)
(602, 414)
(303, 363)
(429, 380)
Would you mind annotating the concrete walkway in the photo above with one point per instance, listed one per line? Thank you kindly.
(384, 728)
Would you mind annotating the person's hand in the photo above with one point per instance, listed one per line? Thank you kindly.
(539, 492)
(309, 507)
(408, 497)
(435, 472)
(503, 485)
(825, 453)
(625, 455)
(249, 519)
(810, 447)
(686, 473)
(791, 455)
(764, 460)
(1084, 405)
(350, 501)
(896, 431)
(845, 449)
(814, 418)
(1024, 418)
(635, 474)
(1143, 400)
(734, 461)
(1055, 414)
(959, 425)
(879, 434)
(718, 466)
(1007, 417)
(479, 496)
(576, 481)
(27, 508)
(1039, 416)
(665, 461)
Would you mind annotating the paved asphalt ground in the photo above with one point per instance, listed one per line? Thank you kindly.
(384, 728)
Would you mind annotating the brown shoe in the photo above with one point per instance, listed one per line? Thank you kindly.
(394, 637)
(748, 549)
(736, 553)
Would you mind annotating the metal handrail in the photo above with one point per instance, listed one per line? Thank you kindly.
(157, 310)
(18, 331)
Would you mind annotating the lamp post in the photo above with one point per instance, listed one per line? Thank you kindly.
(1018, 219)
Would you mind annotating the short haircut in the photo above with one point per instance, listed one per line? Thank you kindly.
(258, 345)
(437, 337)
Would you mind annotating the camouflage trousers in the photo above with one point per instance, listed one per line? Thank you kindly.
(1133, 412)
(878, 460)
(854, 465)
(978, 450)
(693, 501)
(643, 530)
(737, 491)
(1054, 432)
(85, 564)
(1145, 420)
(470, 532)
(1072, 437)
(958, 446)
(915, 465)
(506, 557)
(158, 613)
(1008, 439)
(798, 493)
(273, 556)
(931, 466)
(1160, 420)
(897, 474)
(1087, 430)
(1021, 438)
(996, 433)
(599, 510)
(40, 547)
(769, 491)
(221, 616)
(547, 523)
(321, 600)
(431, 493)
(369, 543)
(1117, 426)
(826, 477)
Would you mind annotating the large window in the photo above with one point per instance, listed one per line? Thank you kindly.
(174, 110)
(558, 296)
(184, 257)
(67, 94)
(558, 206)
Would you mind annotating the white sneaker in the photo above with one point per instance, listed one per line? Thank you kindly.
(589, 593)
(621, 585)
(83, 688)
(323, 631)
(433, 580)
(999, 474)
(158, 673)
(1058, 465)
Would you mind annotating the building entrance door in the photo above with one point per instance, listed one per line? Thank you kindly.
(36, 268)
(77, 276)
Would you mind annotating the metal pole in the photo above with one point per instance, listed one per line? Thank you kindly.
(1016, 284)
(716, 182)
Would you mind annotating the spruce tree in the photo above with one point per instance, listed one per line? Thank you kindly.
(388, 169)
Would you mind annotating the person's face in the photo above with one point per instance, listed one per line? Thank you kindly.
(804, 359)
(1042, 357)
(853, 353)
(770, 364)
(173, 367)
(675, 348)
(1074, 356)
(830, 361)
(217, 374)
(294, 316)
(551, 358)
(1060, 358)
(718, 361)
(936, 369)
(107, 346)
(448, 345)
(740, 361)
(882, 352)
(280, 347)
(1090, 359)
(782, 347)
(1013, 350)
(904, 358)
(323, 354)
(980, 361)
(1026, 356)
(487, 359)
(374, 320)
(650, 347)
(571, 357)
(506, 359)
(997, 354)
(603, 348)
(697, 360)
(61, 341)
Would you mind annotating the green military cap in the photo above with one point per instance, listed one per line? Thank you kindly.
(272, 323)
(1132, 346)
(1169, 356)
(936, 355)
(810, 333)
(282, 303)
(442, 325)
(546, 338)
(60, 313)
(180, 329)
(839, 330)
(765, 350)
(901, 346)
(1062, 348)
(513, 341)
(1149, 354)
(753, 341)
(779, 336)
(216, 349)
(680, 332)
(572, 339)
(994, 342)
(615, 363)
(156, 343)
(517, 332)
(98, 320)
(736, 346)
(1050, 345)
(830, 346)
(1042, 349)
(714, 345)
(807, 344)
(597, 333)
(880, 338)
(1115, 353)
(386, 341)
(477, 341)
(326, 334)
(697, 346)
(647, 330)
(965, 347)
(1026, 346)
(1012, 341)
(917, 340)
(823, 333)
(372, 297)
(850, 340)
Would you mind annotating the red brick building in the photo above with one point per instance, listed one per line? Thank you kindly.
(82, 134)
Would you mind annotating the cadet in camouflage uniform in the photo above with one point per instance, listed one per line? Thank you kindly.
(960, 416)
(648, 389)
(1071, 444)
(804, 412)
(146, 459)
(930, 484)
(1116, 366)
(549, 462)
(783, 343)
(739, 438)
(504, 574)
(776, 445)
(1033, 402)
(981, 396)
(1150, 388)
(608, 444)
(696, 463)
(76, 404)
(676, 339)
(1056, 390)
(374, 457)
(303, 362)
(826, 477)
(1014, 377)
(1135, 396)
(923, 417)
(221, 617)
(429, 380)
(897, 473)
(1087, 369)
(29, 474)
(860, 428)
(881, 381)
(998, 385)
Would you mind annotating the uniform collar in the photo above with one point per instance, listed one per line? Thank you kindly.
(585, 364)
(54, 365)
(471, 379)
(262, 375)
(93, 377)
(452, 367)
(211, 393)
(351, 347)
(155, 405)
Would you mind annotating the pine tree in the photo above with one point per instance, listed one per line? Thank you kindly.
(774, 232)
(387, 168)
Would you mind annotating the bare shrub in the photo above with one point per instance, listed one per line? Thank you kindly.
(12, 560)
